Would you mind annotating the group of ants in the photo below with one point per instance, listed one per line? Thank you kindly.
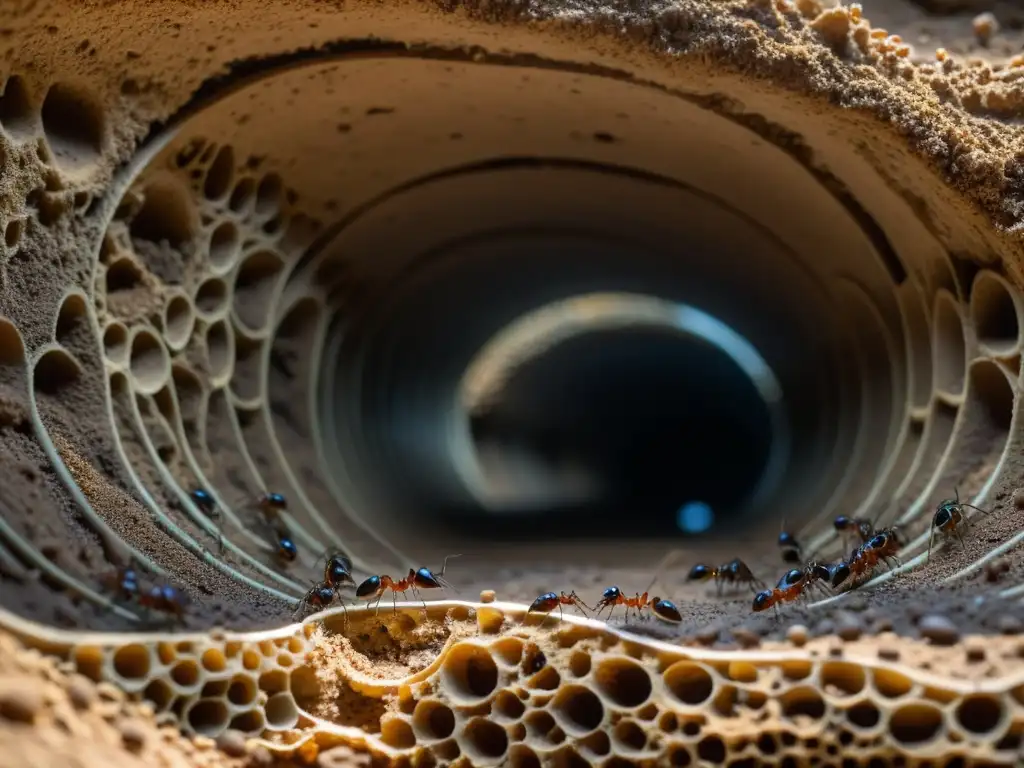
(874, 546)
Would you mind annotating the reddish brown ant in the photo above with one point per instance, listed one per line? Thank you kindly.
(733, 572)
(663, 609)
(160, 598)
(949, 518)
(789, 588)
(375, 586)
(547, 602)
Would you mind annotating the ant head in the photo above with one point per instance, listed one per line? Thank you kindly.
(791, 578)
(842, 523)
(700, 572)
(943, 516)
(666, 610)
(819, 571)
(369, 588)
(275, 500)
(425, 578)
(286, 548)
(612, 593)
(787, 539)
(838, 573)
(338, 571)
(200, 496)
(764, 600)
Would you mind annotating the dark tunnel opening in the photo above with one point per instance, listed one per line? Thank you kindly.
(654, 418)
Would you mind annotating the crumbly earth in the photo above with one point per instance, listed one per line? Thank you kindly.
(51, 717)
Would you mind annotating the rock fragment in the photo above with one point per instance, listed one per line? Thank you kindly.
(20, 700)
(938, 629)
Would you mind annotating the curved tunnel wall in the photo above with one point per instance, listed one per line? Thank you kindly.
(261, 293)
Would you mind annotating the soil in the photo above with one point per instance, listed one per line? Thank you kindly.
(71, 723)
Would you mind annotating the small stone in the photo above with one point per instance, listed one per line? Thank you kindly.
(938, 629)
(746, 638)
(204, 743)
(133, 733)
(975, 654)
(823, 628)
(1010, 625)
(260, 756)
(797, 635)
(487, 596)
(1018, 495)
(20, 700)
(848, 626)
(995, 570)
(880, 626)
(232, 743)
(985, 25)
(707, 636)
(889, 654)
(81, 691)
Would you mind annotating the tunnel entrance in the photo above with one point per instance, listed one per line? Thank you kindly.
(639, 420)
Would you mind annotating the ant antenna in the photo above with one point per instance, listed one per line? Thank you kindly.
(969, 506)
(445, 564)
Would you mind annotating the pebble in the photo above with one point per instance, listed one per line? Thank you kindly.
(260, 757)
(707, 636)
(133, 733)
(746, 638)
(20, 700)
(1010, 625)
(81, 691)
(848, 626)
(995, 570)
(1018, 498)
(797, 635)
(823, 628)
(985, 25)
(939, 629)
(487, 596)
(975, 654)
(232, 743)
(889, 654)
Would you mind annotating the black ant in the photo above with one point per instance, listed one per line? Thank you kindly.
(547, 602)
(424, 578)
(272, 505)
(338, 571)
(950, 518)
(792, 552)
(208, 506)
(319, 596)
(734, 572)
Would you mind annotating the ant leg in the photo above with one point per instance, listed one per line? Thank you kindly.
(961, 538)
(561, 616)
(931, 535)
(394, 599)
(379, 598)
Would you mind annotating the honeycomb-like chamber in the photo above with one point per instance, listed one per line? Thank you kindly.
(480, 682)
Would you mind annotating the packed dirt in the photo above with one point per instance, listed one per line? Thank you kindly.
(49, 716)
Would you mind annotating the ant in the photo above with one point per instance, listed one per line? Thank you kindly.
(663, 609)
(950, 518)
(792, 552)
(735, 571)
(883, 547)
(208, 506)
(162, 598)
(838, 573)
(817, 573)
(319, 596)
(424, 578)
(547, 602)
(272, 505)
(338, 571)
(789, 588)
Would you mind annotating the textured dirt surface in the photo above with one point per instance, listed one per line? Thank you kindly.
(49, 717)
